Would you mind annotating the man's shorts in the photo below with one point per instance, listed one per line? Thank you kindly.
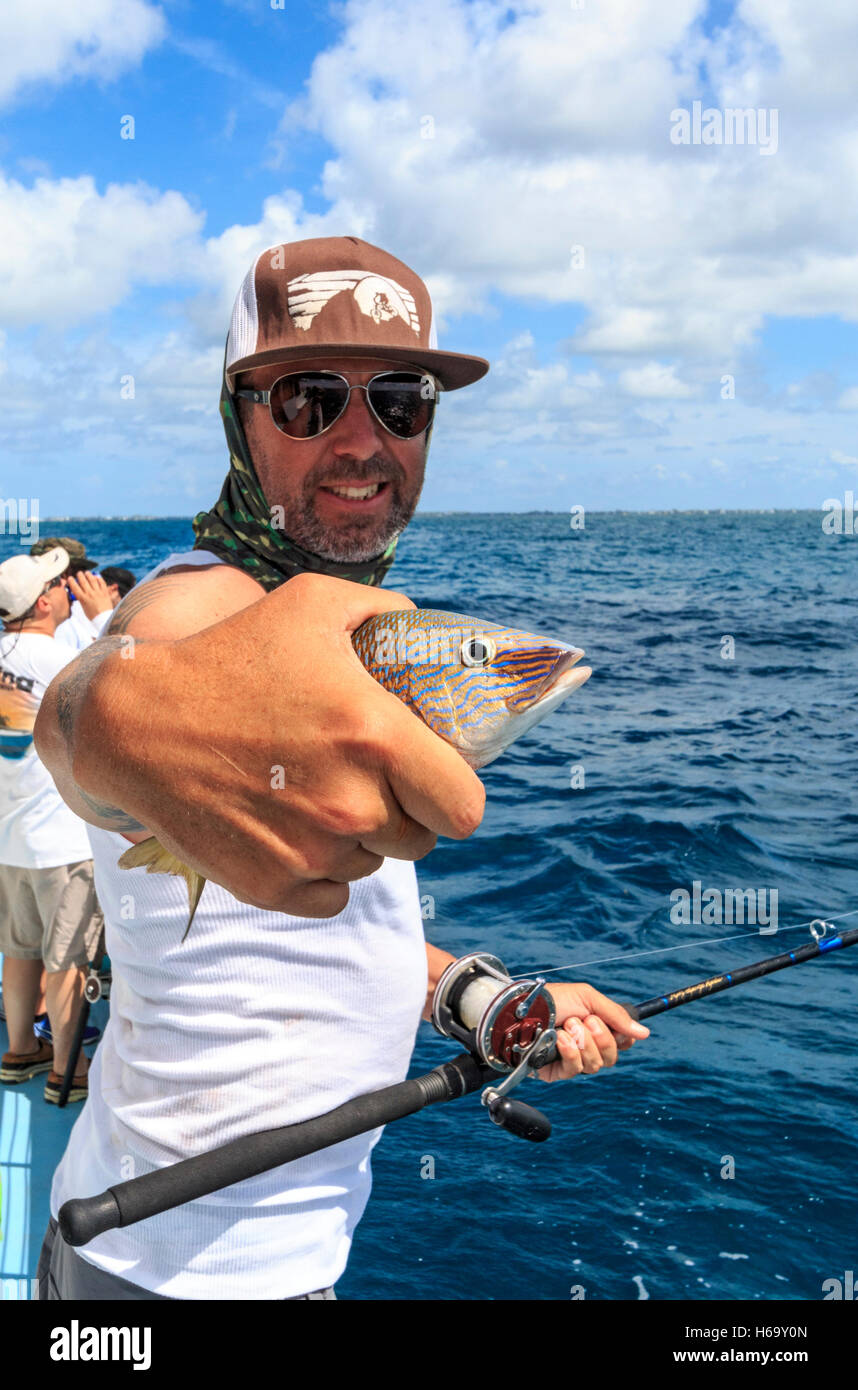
(63, 1275)
(50, 914)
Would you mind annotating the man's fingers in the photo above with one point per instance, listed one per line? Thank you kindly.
(370, 602)
(604, 1040)
(586, 1044)
(612, 1013)
(348, 604)
(323, 898)
(569, 1062)
(431, 780)
(401, 838)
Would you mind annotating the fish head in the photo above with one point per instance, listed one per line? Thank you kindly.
(478, 685)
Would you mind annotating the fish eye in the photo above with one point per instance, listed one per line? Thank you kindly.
(477, 651)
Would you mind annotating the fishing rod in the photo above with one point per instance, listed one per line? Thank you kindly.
(821, 945)
(507, 1028)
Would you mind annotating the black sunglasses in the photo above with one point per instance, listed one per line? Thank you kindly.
(305, 404)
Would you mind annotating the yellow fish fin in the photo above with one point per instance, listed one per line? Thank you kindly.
(151, 856)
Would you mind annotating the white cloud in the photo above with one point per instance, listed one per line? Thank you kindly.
(837, 456)
(552, 131)
(70, 251)
(44, 41)
(849, 399)
(654, 379)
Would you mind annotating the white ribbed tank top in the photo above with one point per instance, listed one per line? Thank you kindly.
(259, 1019)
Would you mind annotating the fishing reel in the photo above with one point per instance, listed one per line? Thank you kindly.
(507, 1025)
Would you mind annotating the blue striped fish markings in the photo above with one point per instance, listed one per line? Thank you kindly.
(477, 685)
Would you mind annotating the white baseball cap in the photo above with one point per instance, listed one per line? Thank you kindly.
(23, 578)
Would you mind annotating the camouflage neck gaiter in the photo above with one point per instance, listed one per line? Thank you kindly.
(238, 527)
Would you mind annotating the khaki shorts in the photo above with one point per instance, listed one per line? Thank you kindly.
(50, 914)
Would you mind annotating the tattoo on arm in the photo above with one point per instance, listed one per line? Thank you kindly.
(72, 686)
(142, 597)
(118, 819)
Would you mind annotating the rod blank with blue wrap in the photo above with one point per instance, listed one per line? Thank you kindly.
(662, 1002)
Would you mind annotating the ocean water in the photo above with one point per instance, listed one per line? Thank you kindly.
(735, 767)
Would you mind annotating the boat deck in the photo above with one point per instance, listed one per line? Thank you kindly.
(33, 1136)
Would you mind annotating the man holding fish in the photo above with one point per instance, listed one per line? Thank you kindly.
(249, 720)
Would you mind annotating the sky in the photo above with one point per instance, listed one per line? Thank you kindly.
(671, 316)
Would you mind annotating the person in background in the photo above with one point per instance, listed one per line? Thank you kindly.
(90, 614)
(48, 908)
(119, 581)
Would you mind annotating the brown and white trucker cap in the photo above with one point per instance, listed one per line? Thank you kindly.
(338, 297)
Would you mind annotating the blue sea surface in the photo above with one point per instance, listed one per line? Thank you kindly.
(716, 1159)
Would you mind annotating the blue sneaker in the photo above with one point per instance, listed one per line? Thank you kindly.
(42, 1030)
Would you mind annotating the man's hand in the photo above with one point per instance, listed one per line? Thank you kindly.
(591, 1030)
(262, 753)
(91, 592)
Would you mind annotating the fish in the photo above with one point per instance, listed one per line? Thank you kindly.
(477, 685)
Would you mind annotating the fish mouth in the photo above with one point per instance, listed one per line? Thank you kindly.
(565, 677)
(560, 682)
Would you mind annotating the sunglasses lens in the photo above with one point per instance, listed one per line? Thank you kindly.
(403, 402)
(304, 404)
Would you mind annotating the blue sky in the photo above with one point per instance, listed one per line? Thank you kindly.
(550, 130)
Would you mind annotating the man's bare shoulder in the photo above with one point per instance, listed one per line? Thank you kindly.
(184, 599)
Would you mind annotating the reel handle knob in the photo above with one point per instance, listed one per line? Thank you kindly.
(523, 1120)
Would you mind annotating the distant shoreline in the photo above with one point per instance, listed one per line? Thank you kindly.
(606, 511)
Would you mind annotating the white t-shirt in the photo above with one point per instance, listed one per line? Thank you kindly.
(259, 1019)
(79, 631)
(37, 829)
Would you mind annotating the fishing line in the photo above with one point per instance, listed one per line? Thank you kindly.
(688, 945)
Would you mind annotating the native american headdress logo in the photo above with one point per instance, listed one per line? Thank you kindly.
(376, 296)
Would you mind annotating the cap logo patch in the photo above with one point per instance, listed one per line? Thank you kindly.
(376, 296)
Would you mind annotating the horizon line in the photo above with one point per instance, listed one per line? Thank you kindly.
(530, 511)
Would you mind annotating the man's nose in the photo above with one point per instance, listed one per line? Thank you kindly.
(357, 431)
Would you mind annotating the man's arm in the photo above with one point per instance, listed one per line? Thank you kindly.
(62, 704)
(245, 733)
(167, 607)
(437, 961)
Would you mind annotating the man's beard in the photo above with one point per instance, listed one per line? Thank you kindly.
(361, 538)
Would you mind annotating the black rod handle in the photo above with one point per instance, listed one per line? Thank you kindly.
(82, 1218)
